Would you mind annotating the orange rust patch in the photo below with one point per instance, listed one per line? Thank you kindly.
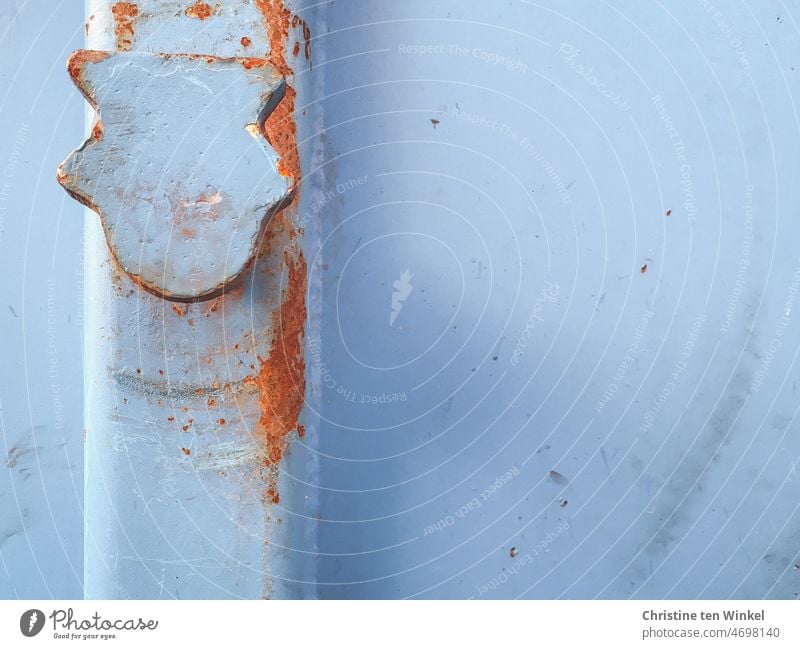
(281, 377)
(186, 451)
(178, 310)
(97, 130)
(195, 211)
(199, 10)
(246, 41)
(643, 269)
(125, 14)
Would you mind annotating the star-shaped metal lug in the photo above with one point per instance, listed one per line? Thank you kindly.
(177, 166)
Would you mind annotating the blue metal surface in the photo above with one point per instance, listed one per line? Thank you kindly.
(551, 345)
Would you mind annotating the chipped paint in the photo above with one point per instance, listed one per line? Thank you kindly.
(125, 14)
(199, 10)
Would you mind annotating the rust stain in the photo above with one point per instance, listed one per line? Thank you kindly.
(125, 14)
(199, 10)
(251, 62)
(283, 169)
(279, 128)
(211, 206)
(281, 375)
(298, 21)
(280, 378)
(643, 269)
(307, 40)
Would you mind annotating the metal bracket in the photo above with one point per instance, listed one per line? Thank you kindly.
(177, 165)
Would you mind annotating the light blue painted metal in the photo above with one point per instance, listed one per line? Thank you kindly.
(41, 442)
(551, 345)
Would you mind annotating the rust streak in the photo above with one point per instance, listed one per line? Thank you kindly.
(199, 10)
(307, 40)
(280, 377)
(125, 14)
